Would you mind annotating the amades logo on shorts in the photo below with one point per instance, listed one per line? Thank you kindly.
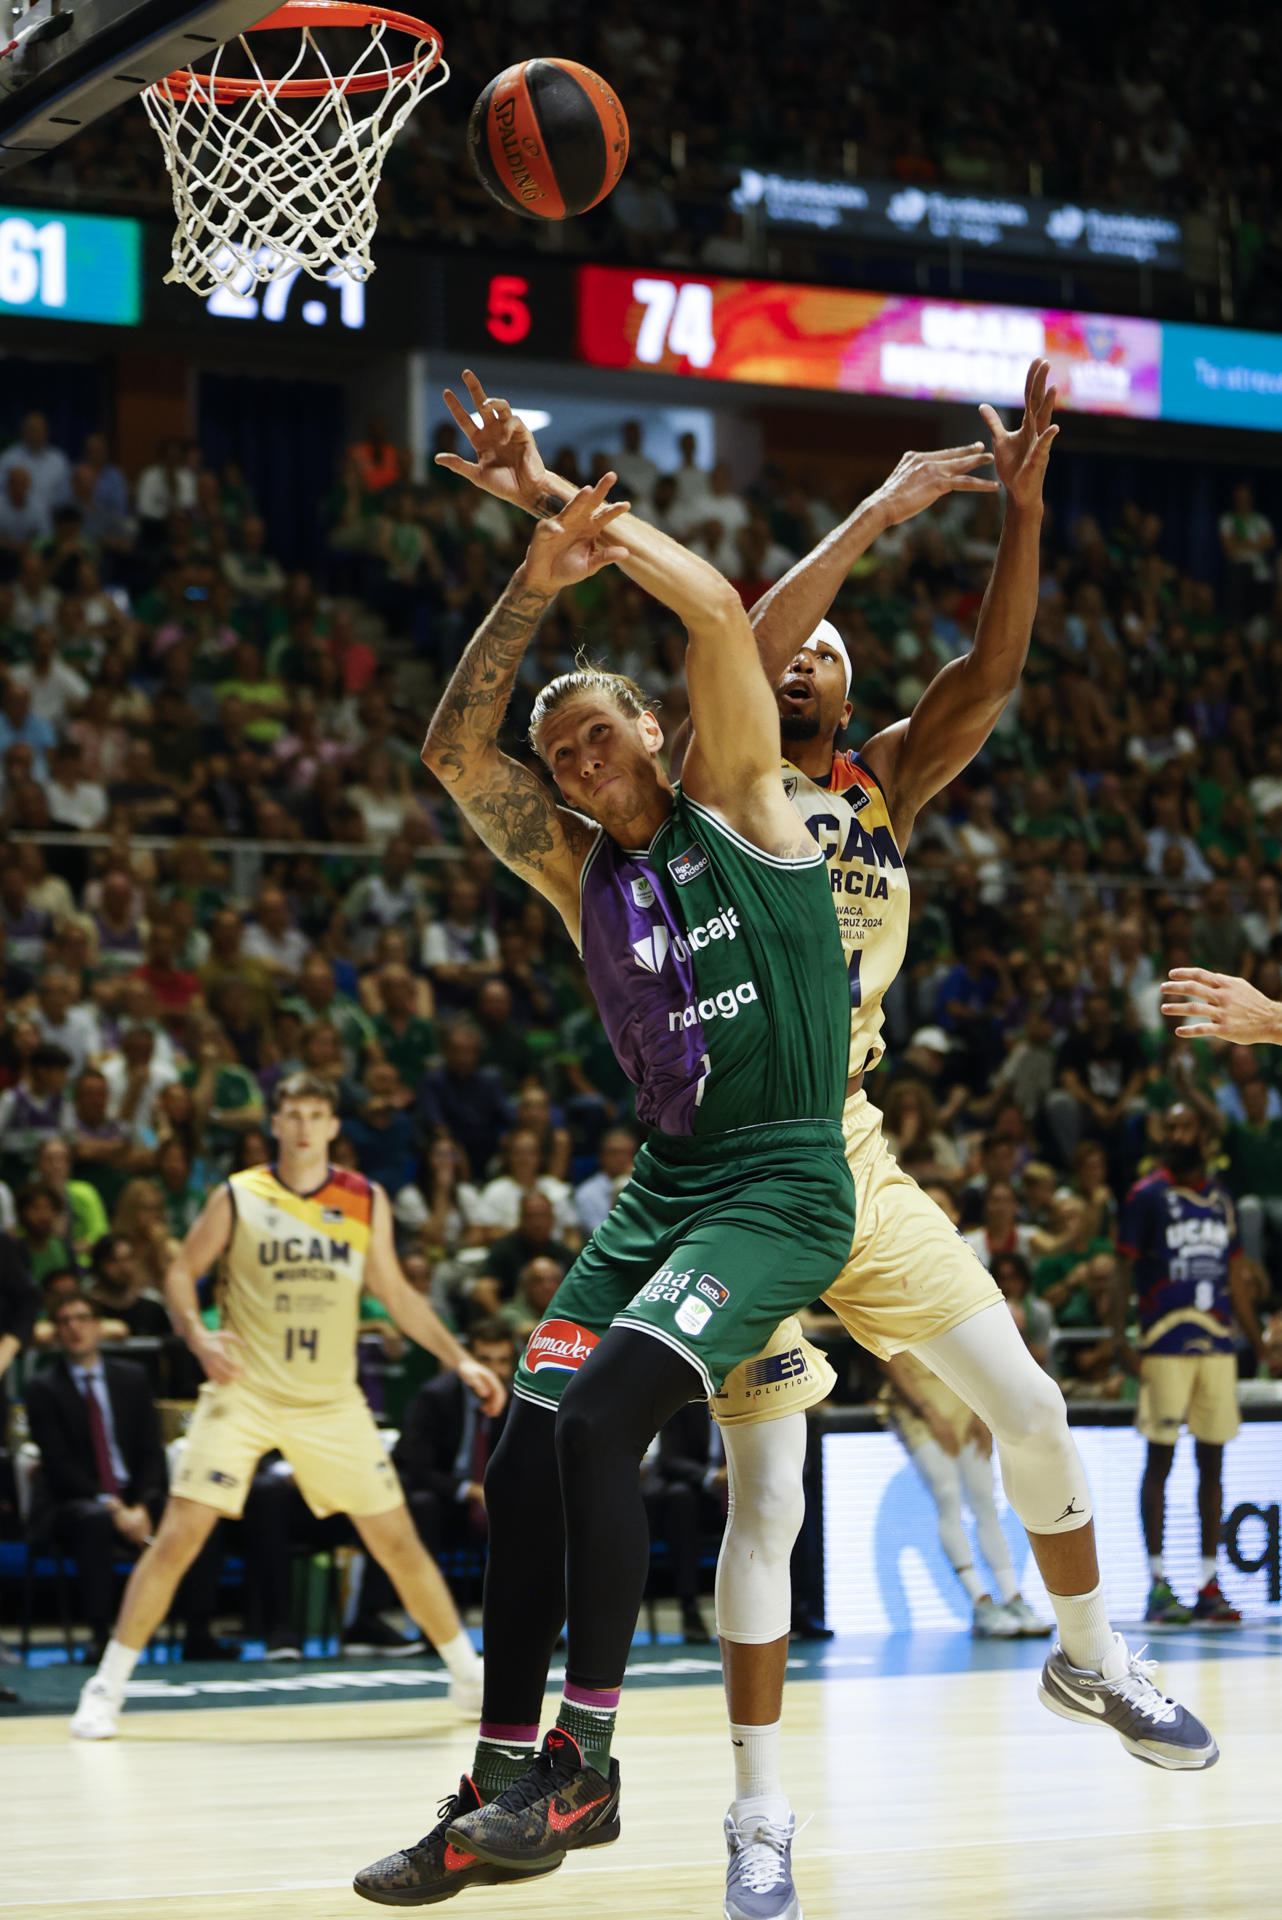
(561, 1344)
(724, 1005)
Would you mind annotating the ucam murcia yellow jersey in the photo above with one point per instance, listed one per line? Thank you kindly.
(850, 821)
(291, 1281)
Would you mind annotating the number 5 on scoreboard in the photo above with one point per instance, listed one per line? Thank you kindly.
(675, 318)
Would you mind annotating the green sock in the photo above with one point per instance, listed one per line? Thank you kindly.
(497, 1764)
(592, 1728)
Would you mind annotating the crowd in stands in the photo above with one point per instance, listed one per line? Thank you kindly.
(1116, 106)
(223, 861)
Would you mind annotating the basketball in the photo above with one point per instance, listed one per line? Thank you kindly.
(548, 138)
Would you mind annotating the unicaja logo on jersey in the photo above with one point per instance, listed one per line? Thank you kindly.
(653, 950)
(560, 1344)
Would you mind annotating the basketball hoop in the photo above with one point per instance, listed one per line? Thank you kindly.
(274, 174)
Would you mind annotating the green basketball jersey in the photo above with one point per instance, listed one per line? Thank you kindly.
(719, 973)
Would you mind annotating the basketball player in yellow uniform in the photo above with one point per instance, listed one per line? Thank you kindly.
(297, 1244)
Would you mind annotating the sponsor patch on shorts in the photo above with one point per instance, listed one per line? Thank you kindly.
(692, 1316)
(689, 865)
(562, 1345)
(712, 1290)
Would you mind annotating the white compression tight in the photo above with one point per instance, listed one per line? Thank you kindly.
(985, 1361)
(948, 1477)
(767, 1505)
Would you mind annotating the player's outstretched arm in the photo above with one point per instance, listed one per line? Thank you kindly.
(220, 1354)
(1219, 1006)
(918, 757)
(785, 617)
(507, 463)
(511, 809)
(415, 1318)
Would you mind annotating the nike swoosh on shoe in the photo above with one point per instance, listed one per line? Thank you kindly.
(560, 1821)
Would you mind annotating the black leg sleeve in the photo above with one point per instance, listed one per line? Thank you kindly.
(611, 1411)
(524, 1604)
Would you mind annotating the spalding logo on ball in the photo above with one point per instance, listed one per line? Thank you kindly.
(548, 138)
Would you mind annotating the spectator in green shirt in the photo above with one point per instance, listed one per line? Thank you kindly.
(226, 1097)
(82, 1216)
(182, 1197)
(1254, 1174)
(1074, 1281)
(319, 999)
(45, 1248)
(403, 1039)
(266, 700)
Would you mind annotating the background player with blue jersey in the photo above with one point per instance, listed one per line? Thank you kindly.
(1181, 1255)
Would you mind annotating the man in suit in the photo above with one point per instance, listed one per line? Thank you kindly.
(103, 1478)
(19, 1304)
(446, 1442)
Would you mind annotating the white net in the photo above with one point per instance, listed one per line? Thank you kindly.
(273, 174)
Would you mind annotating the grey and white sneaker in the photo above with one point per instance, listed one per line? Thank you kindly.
(759, 1884)
(1149, 1724)
(1028, 1625)
(991, 1621)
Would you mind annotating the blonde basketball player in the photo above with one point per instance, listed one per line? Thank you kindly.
(911, 1282)
(298, 1242)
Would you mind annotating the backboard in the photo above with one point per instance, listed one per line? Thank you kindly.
(64, 63)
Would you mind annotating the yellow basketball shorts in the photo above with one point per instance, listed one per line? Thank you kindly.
(910, 1276)
(1197, 1390)
(340, 1463)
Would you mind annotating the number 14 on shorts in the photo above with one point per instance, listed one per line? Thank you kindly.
(300, 1343)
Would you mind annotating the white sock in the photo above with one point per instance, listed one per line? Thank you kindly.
(1208, 1569)
(1084, 1630)
(974, 1586)
(1007, 1584)
(118, 1663)
(1156, 1566)
(758, 1790)
(459, 1655)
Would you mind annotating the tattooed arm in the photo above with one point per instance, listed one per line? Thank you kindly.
(511, 809)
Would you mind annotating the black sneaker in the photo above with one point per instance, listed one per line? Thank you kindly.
(557, 1806)
(434, 1869)
(375, 1636)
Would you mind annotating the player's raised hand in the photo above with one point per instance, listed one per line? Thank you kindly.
(1021, 456)
(1218, 1006)
(487, 1386)
(507, 462)
(577, 542)
(922, 478)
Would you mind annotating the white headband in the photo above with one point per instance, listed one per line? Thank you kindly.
(825, 634)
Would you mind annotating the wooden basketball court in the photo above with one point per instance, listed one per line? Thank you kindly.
(935, 1784)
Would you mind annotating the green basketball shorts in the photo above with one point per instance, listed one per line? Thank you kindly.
(711, 1244)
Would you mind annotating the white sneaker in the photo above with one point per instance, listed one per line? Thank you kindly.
(465, 1694)
(1029, 1625)
(95, 1717)
(759, 1883)
(992, 1622)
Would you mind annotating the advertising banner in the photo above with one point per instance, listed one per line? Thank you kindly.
(871, 343)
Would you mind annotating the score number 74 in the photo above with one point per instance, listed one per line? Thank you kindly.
(674, 319)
